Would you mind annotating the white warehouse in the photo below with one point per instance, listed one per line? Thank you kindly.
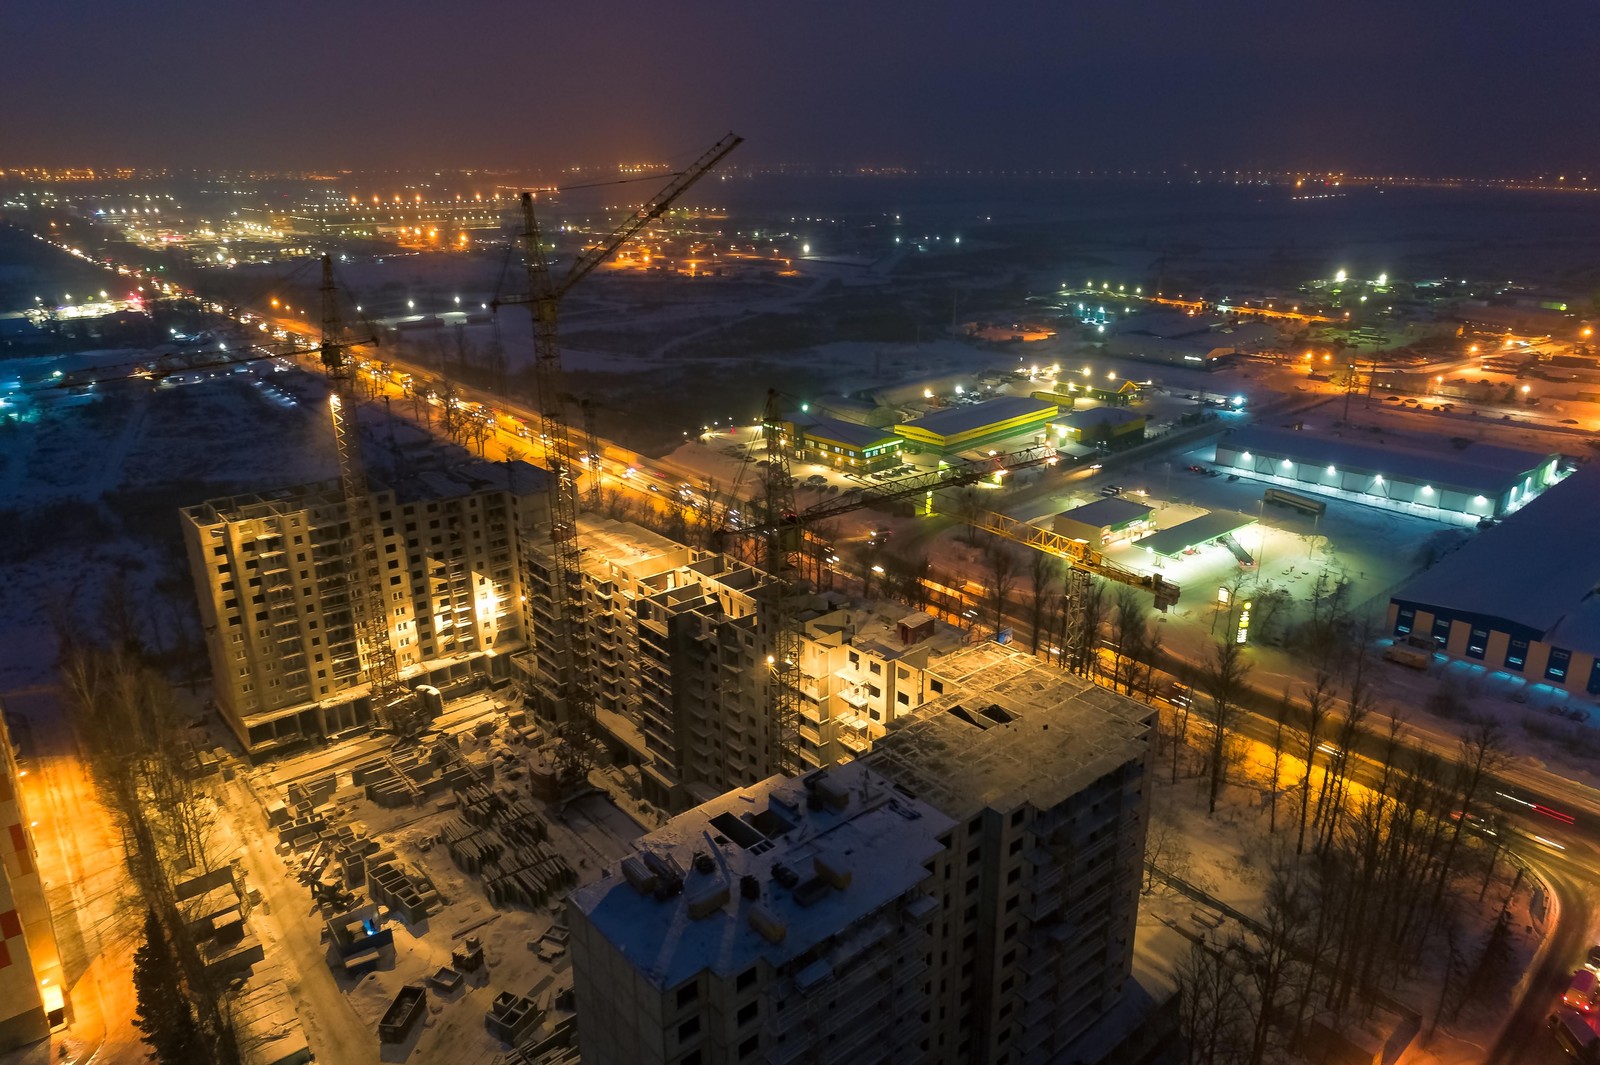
(1473, 482)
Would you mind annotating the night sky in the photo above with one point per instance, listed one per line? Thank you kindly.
(1410, 86)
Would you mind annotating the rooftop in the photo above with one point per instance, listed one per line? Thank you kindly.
(1112, 513)
(1092, 416)
(953, 421)
(1478, 467)
(1538, 568)
(852, 434)
(1009, 731)
(820, 865)
(1195, 531)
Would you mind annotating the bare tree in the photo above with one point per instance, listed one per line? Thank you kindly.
(1224, 682)
(1041, 579)
(1319, 700)
(1003, 568)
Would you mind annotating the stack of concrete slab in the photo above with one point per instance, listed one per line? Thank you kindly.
(503, 839)
(408, 894)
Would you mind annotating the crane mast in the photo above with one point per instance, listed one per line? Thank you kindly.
(369, 612)
(783, 535)
(573, 706)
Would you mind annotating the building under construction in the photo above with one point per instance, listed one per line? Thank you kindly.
(675, 641)
(271, 574)
(966, 893)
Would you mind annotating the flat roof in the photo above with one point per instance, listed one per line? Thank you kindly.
(853, 434)
(1080, 419)
(1109, 513)
(879, 839)
(1486, 468)
(1207, 527)
(953, 421)
(1538, 568)
(1010, 731)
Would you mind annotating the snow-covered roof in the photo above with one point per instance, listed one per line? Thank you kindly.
(1108, 513)
(1486, 468)
(855, 849)
(1008, 730)
(1104, 415)
(851, 434)
(1539, 568)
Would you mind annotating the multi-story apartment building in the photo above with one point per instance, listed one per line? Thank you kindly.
(674, 640)
(996, 838)
(271, 571)
(31, 992)
(789, 921)
(1043, 773)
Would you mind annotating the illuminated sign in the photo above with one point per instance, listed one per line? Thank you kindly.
(1243, 633)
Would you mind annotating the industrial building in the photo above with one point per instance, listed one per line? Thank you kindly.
(1473, 482)
(1106, 426)
(849, 446)
(674, 642)
(965, 893)
(31, 981)
(975, 425)
(270, 573)
(1518, 597)
(1196, 341)
(1105, 521)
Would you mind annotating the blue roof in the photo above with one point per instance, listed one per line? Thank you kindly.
(1479, 467)
(1081, 419)
(853, 434)
(1538, 568)
(953, 421)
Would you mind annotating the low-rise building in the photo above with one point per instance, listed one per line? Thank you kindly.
(1103, 426)
(974, 425)
(849, 446)
(1104, 521)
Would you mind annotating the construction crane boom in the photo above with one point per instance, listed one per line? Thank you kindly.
(571, 704)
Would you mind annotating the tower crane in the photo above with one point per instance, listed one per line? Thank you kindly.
(571, 704)
(369, 611)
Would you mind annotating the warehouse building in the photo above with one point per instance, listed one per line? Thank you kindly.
(849, 446)
(1521, 596)
(1112, 427)
(1196, 341)
(1478, 481)
(956, 429)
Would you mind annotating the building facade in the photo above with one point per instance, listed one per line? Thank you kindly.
(786, 922)
(965, 893)
(271, 575)
(31, 992)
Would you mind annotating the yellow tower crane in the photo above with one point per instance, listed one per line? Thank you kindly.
(567, 697)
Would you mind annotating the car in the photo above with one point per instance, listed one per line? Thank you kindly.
(1569, 421)
(1592, 962)
(816, 478)
(1391, 399)
(1096, 466)
(1192, 468)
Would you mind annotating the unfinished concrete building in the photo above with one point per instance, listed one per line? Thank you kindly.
(270, 573)
(967, 892)
(674, 643)
(790, 921)
(1043, 774)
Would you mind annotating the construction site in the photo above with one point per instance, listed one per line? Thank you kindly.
(460, 693)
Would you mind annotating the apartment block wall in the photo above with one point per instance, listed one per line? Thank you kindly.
(30, 964)
(271, 574)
